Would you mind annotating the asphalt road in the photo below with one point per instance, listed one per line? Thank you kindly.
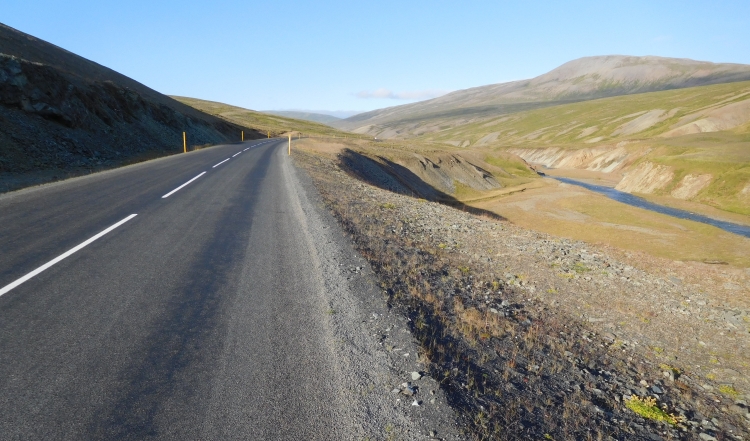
(193, 319)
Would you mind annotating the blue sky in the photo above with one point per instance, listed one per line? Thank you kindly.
(350, 55)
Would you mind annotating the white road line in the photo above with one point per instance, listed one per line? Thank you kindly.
(57, 259)
(221, 162)
(236, 154)
(180, 187)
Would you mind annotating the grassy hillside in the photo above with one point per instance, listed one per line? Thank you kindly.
(690, 144)
(640, 116)
(578, 80)
(635, 139)
(263, 122)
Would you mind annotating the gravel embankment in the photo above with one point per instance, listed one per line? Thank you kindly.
(536, 336)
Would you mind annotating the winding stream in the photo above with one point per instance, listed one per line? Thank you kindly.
(636, 201)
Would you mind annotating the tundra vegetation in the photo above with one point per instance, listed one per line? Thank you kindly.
(686, 148)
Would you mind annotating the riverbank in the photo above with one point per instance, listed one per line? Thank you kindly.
(610, 180)
(636, 201)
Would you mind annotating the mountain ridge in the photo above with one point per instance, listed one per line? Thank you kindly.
(577, 80)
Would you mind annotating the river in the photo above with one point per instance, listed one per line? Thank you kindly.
(627, 198)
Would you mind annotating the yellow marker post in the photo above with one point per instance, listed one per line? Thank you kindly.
(184, 142)
(243, 135)
(269, 133)
(290, 144)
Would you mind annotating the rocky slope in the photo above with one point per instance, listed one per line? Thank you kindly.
(583, 79)
(602, 159)
(717, 176)
(61, 111)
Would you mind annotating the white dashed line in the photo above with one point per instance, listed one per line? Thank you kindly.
(180, 187)
(236, 154)
(221, 162)
(57, 259)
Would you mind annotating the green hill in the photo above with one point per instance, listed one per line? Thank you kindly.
(578, 80)
(689, 144)
(666, 114)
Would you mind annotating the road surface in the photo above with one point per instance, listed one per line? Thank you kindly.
(134, 306)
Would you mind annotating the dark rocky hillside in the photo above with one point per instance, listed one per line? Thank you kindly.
(59, 111)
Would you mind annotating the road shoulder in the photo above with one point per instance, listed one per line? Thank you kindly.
(376, 351)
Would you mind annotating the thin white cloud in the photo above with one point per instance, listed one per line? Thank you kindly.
(383, 93)
(663, 38)
(380, 93)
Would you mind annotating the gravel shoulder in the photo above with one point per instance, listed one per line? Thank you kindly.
(390, 393)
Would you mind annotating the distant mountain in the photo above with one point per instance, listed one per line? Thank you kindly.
(59, 110)
(265, 122)
(582, 79)
(307, 116)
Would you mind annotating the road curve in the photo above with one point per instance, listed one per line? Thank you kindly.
(198, 318)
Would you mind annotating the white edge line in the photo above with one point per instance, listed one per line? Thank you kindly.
(57, 259)
(180, 187)
(221, 163)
